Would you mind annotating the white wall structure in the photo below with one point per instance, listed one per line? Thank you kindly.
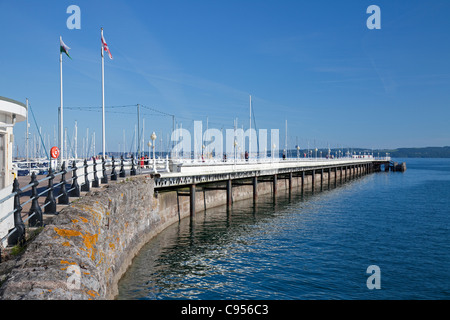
(11, 112)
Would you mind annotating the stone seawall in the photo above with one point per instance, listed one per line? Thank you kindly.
(87, 248)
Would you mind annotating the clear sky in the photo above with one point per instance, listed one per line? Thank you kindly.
(312, 63)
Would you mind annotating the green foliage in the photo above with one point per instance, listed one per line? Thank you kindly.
(428, 152)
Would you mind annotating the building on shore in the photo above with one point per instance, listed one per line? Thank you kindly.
(11, 112)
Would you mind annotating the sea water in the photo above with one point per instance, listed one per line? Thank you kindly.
(310, 246)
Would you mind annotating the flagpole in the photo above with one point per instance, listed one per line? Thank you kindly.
(250, 135)
(61, 125)
(103, 99)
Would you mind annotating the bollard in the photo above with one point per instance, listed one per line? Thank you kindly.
(113, 171)
(36, 220)
(18, 236)
(85, 186)
(133, 169)
(122, 169)
(104, 178)
(64, 197)
(50, 201)
(75, 188)
(95, 183)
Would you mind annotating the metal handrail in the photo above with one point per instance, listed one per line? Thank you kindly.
(87, 174)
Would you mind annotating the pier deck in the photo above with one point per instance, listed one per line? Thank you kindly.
(194, 173)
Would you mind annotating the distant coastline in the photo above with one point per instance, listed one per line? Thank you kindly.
(425, 152)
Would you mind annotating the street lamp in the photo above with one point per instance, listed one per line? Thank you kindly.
(153, 137)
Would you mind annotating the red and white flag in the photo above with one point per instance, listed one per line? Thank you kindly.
(105, 47)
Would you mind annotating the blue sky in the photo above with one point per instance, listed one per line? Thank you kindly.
(312, 63)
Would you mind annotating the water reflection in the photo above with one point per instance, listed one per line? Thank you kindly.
(224, 253)
(206, 252)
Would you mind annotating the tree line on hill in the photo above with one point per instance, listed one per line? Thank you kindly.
(426, 152)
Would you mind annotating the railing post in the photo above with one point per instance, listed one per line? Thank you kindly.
(50, 200)
(64, 197)
(75, 192)
(95, 183)
(85, 186)
(167, 163)
(122, 169)
(18, 237)
(133, 169)
(113, 170)
(104, 178)
(36, 220)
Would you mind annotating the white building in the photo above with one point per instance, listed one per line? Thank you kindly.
(11, 112)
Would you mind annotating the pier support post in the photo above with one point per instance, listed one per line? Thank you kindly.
(303, 182)
(255, 188)
(192, 200)
(275, 182)
(340, 176)
(335, 176)
(290, 182)
(329, 177)
(229, 193)
(313, 180)
(321, 179)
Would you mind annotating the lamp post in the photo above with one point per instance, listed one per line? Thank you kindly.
(153, 137)
(298, 150)
(149, 144)
(203, 153)
(235, 145)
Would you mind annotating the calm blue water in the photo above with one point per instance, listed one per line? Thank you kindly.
(312, 247)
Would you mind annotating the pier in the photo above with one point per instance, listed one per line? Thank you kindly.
(34, 197)
(224, 176)
(98, 214)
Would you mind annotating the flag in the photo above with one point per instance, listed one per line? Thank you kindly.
(105, 46)
(63, 47)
